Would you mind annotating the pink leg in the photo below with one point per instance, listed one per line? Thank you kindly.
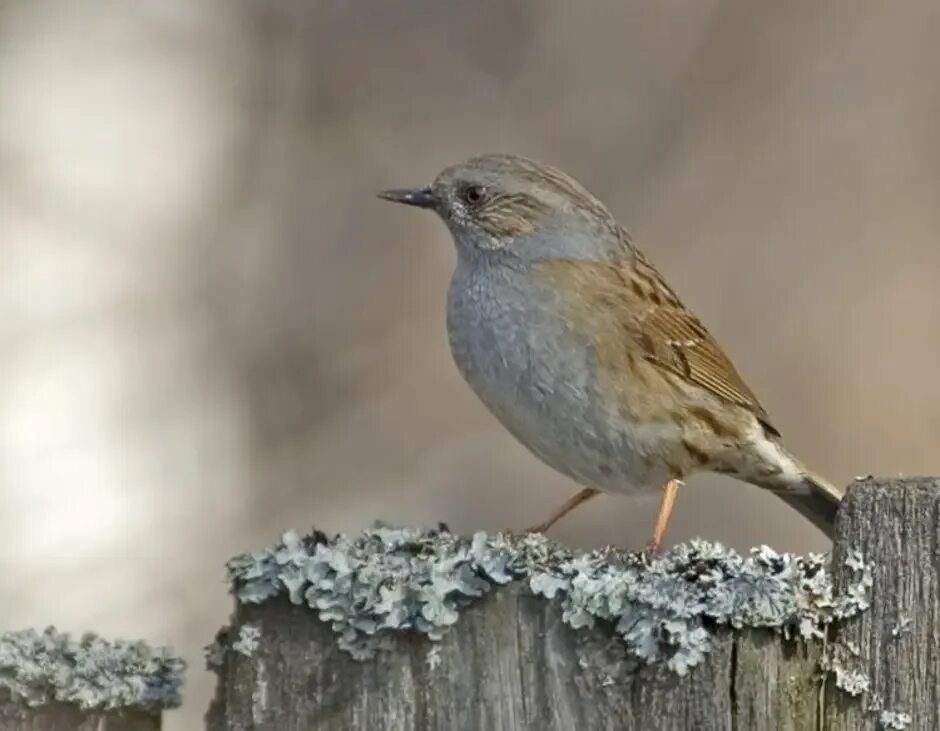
(582, 497)
(670, 491)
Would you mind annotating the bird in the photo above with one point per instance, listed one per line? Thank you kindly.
(578, 346)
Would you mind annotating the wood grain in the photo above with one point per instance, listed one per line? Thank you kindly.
(511, 664)
(16, 716)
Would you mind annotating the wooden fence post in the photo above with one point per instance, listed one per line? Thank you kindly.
(701, 638)
(895, 524)
(51, 682)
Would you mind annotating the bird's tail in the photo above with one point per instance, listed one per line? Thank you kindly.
(816, 499)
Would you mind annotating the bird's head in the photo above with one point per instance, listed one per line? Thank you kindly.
(518, 208)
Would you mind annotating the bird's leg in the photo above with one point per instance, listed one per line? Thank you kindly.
(662, 519)
(586, 494)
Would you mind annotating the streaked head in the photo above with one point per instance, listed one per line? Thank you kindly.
(517, 206)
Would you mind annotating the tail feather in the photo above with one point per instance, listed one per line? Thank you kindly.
(811, 495)
(818, 501)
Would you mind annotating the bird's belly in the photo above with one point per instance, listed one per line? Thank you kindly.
(544, 389)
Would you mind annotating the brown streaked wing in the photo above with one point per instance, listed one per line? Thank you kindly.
(683, 345)
(646, 310)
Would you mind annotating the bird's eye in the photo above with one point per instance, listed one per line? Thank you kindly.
(474, 194)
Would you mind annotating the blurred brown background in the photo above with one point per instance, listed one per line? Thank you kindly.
(212, 331)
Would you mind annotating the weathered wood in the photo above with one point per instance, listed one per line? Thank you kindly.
(775, 683)
(50, 681)
(895, 524)
(16, 716)
(512, 664)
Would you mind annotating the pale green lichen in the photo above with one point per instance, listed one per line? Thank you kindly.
(887, 718)
(853, 682)
(901, 627)
(389, 579)
(663, 609)
(93, 673)
(432, 657)
(841, 660)
(249, 636)
(897, 720)
(386, 579)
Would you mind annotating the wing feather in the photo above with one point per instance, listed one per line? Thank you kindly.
(632, 297)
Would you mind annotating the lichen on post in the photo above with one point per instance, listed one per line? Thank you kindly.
(892, 651)
(51, 681)
(403, 628)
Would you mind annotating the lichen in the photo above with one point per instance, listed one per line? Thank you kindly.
(388, 579)
(249, 636)
(887, 718)
(901, 627)
(433, 657)
(93, 673)
(662, 608)
(897, 720)
(853, 682)
(841, 660)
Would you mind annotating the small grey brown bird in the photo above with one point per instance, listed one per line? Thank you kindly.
(576, 344)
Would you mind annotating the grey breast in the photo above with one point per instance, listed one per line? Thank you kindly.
(538, 377)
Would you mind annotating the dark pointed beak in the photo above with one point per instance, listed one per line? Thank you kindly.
(420, 197)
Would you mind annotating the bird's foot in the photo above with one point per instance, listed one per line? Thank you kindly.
(652, 550)
(539, 527)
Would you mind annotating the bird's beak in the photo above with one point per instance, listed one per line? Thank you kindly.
(420, 197)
